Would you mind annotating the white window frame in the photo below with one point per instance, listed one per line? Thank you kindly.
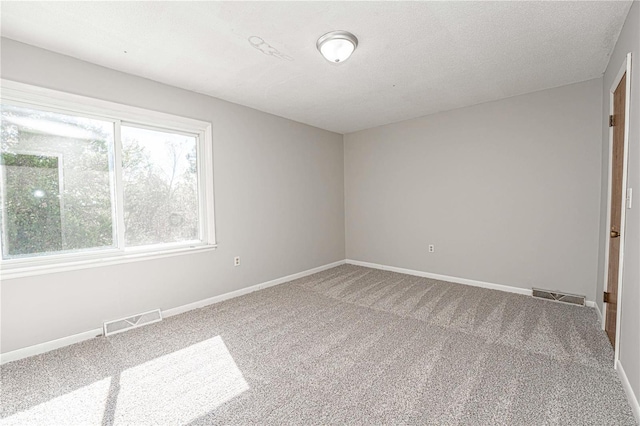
(21, 94)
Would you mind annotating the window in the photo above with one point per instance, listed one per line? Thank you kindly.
(160, 183)
(86, 181)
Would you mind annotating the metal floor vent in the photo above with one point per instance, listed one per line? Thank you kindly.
(556, 296)
(124, 324)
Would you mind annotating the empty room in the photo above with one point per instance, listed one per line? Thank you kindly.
(320, 213)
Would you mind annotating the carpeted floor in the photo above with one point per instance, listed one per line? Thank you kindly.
(349, 345)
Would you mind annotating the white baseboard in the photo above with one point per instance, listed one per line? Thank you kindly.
(90, 334)
(247, 290)
(49, 346)
(457, 280)
(631, 396)
(592, 304)
(65, 341)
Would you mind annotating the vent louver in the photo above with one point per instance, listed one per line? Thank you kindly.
(135, 321)
(557, 296)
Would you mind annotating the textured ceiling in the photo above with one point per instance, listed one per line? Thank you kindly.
(414, 58)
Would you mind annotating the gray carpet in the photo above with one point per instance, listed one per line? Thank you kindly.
(349, 345)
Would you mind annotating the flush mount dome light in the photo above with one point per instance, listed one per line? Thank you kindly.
(337, 46)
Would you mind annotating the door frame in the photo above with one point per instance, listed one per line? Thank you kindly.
(625, 68)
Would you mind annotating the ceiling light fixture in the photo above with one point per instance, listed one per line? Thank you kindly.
(337, 46)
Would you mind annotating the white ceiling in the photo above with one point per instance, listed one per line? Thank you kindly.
(414, 58)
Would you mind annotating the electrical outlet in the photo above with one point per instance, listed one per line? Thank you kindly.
(432, 248)
(236, 261)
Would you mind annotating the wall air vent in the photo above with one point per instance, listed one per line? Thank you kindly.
(556, 296)
(135, 321)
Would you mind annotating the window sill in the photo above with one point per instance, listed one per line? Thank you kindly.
(8, 273)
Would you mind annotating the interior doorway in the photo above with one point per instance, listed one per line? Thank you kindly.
(617, 200)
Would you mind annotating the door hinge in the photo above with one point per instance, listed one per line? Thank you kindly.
(611, 124)
(606, 298)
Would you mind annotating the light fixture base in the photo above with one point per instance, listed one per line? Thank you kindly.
(337, 38)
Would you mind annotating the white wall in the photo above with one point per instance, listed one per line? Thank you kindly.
(279, 205)
(508, 191)
(629, 41)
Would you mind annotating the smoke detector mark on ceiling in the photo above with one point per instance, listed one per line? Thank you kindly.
(267, 49)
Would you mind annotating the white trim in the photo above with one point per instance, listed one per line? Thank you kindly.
(624, 69)
(451, 279)
(8, 274)
(607, 226)
(592, 304)
(466, 281)
(247, 290)
(117, 186)
(69, 102)
(28, 95)
(49, 346)
(628, 390)
(207, 204)
(97, 332)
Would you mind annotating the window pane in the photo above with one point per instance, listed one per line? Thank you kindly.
(56, 182)
(160, 187)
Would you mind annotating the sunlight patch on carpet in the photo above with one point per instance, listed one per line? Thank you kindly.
(179, 387)
(83, 406)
